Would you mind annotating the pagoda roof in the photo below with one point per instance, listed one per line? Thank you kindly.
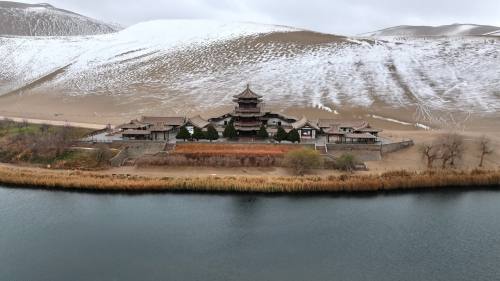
(247, 94)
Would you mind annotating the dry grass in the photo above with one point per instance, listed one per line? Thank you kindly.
(242, 150)
(399, 180)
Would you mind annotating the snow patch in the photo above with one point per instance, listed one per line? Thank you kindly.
(418, 125)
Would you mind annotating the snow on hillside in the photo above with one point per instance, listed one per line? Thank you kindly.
(494, 33)
(30, 58)
(19, 19)
(443, 30)
(177, 32)
(203, 63)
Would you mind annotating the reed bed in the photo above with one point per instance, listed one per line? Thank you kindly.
(397, 180)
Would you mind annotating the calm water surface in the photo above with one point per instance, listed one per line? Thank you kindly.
(420, 236)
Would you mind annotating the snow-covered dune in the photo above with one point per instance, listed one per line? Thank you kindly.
(443, 30)
(201, 64)
(20, 19)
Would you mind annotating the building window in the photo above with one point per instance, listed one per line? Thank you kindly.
(279, 123)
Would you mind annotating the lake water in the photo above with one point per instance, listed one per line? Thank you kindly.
(402, 236)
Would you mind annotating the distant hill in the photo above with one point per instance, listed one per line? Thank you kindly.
(20, 19)
(443, 30)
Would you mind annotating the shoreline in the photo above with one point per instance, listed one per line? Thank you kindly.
(79, 181)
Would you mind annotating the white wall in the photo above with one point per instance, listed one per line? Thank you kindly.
(221, 123)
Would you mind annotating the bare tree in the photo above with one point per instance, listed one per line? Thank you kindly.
(102, 154)
(430, 152)
(451, 149)
(485, 148)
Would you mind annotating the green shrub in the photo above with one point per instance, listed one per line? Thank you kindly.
(346, 162)
(302, 160)
(230, 131)
(198, 134)
(262, 133)
(293, 136)
(281, 134)
(183, 134)
(211, 133)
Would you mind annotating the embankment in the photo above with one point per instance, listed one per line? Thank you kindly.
(397, 180)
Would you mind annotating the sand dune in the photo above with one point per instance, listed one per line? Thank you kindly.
(443, 30)
(20, 19)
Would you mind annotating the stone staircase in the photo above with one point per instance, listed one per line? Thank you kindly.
(133, 151)
(323, 151)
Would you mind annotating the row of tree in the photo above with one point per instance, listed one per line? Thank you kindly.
(292, 135)
(211, 134)
(281, 134)
(231, 133)
(449, 148)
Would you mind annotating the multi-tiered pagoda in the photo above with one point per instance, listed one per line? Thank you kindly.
(247, 114)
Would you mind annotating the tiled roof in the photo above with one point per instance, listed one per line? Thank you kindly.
(304, 122)
(131, 126)
(334, 130)
(159, 128)
(169, 121)
(355, 124)
(136, 132)
(198, 122)
(369, 130)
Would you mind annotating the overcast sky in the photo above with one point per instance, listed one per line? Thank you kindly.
(348, 17)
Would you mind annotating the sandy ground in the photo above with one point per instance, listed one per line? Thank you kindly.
(411, 159)
(105, 109)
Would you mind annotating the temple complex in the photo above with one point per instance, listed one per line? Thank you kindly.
(247, 117)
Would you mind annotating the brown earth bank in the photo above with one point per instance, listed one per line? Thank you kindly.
(390, 181)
